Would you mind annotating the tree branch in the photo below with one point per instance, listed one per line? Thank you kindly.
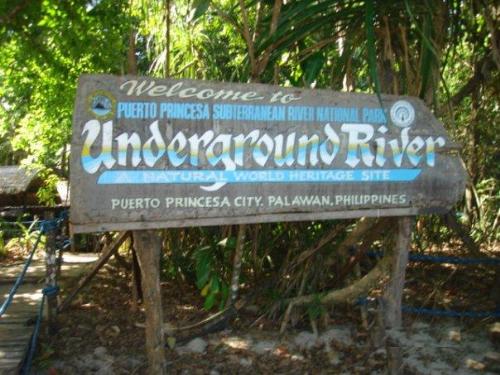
(272, 29)
(481, 70)
(494, 33)
(18, 8)
(249, 41)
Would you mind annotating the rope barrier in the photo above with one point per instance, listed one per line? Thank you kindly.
(20, 278)
(34, 338)
(49, 291)
(48, 224)
(450, 313)
(63, 244)
(415, 257)
(439, 312)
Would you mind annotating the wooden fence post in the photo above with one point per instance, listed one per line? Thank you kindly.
(148, 247)
(51, 271)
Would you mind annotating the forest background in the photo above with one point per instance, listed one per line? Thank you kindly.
(446, 52)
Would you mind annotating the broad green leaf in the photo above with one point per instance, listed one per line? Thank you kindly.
(312, 66)
(201, 6)
(209, 301)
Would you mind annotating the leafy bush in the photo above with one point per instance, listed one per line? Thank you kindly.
(484, 229)
(3, 250)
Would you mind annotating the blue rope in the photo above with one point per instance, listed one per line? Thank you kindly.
(415, 257)
(49, 225)
(47, 292)
(20, 278)
(438, 312)
(45, 226)
(452, 260)
(450, 313)
(50, 291)
(64, 215)
(34, 339)
(63, 244)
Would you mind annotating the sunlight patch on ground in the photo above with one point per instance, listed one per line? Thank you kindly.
(236, 342)
(186, 307)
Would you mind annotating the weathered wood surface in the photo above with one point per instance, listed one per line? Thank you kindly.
(316, 155)
(16, 325)
(14, 329)
(393, 296)
(394, 293)
(148, 247)
(50, 275)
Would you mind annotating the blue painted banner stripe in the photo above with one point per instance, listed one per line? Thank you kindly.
(257, 176)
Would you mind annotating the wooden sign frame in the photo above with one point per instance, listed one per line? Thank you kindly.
(150, 153)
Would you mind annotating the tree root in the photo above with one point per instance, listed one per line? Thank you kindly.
(353, 291)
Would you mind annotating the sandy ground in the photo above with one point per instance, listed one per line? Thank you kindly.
(99, 335)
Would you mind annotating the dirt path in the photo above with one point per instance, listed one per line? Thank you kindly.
(99, 335)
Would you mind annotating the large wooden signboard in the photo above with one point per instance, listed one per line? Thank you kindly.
(151, 153)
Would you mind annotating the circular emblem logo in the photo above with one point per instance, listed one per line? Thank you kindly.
(402, 114)
(101, 104)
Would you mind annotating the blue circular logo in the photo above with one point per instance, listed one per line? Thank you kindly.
(102, 104)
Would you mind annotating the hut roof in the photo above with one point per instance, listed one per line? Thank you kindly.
(15, 179)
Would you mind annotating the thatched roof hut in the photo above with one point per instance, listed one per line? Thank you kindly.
(18, 186)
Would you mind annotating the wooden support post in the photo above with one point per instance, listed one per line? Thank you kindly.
(136, 278)
(238, 254)
(148, 246)
(62, 234)
(394, 293)
(51, 272)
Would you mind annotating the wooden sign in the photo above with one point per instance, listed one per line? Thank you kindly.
(151, 153)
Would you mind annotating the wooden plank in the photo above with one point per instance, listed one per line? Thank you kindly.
(254, 219)
(23, 320)
(12, 353)
(9, 326)
(9, 362)
(19, 342)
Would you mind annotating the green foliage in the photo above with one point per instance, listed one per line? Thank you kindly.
(485, 229)
(316, 309)
(40, 65)
(433, 50)
(210, 271)
(27, 235)
(3, 250)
